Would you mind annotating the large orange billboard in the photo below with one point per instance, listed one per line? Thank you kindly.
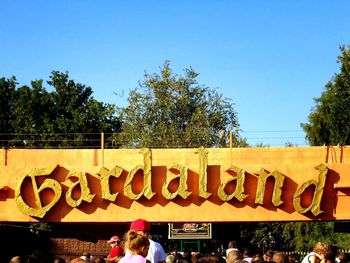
(175, 185)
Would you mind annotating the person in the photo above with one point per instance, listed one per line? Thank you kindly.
(78, 260)
(170, 258)
(232, 245)
(137, 245)
(86, 256)
(98, 260)
(294, 258)
(233, 256)
(195, 257)
(318, 254)
(280, 257)
(16, 259)
(58, 260)
(156, 252)
(246, 255)
(340, 258)
(257, 259)
(268, 255)
(117, 251)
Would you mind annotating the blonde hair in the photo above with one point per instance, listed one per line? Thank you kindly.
(322, 248)
(135, 242)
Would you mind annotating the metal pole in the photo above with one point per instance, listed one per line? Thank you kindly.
(102, 149)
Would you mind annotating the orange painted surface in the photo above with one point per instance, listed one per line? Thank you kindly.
(297, 164)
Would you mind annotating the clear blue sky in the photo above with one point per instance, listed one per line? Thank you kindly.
(270, 57)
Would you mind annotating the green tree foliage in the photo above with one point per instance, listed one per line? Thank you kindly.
(304, 235)
(267, 236)
(62, 118)
(167, 110)
(7, 90)
(329, 123)
(292, 236)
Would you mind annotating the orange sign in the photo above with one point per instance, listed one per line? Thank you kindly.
(175, 185)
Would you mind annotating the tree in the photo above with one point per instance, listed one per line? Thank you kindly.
(77, 113)
(66, 117)
(167, 110)
(304, 235)
(7, 90)
(329, 123)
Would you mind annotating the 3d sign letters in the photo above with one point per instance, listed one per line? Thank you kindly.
(175, 172)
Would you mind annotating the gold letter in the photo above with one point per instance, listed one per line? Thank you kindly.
(226, 178)
(203, 180)
(105, 175)
(182, 189)
(277, 191)
(85, 190)
(315, 206)
(52, 184)
(147, 177)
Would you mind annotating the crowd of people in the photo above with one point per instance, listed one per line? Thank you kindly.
(140, 248)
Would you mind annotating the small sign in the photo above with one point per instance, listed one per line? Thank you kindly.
(190, 231)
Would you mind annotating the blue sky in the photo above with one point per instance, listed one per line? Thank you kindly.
(270, 57)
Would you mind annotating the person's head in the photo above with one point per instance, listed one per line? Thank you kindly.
(322, 249)
(195, 256)
(114, 241)
(341, 256)
(137, 243)
(78, 260)
(246, 253)
(98, 260)
(232, 244)
(170, 259)
(256, 258)
(58, 260)
(233, 256)
(141, 226)
(280, 257)
(16, 259)
(268, 255)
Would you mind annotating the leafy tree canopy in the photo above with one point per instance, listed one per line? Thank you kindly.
(329, 123)
(167, 110)
(53, 119)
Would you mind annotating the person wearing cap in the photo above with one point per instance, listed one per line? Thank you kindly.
(156, 252)
(117, 251)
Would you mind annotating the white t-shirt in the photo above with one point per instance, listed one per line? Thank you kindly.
(155, 252)
(306, 259)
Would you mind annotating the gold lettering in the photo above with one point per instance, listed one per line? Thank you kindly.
(52, 184)
(277, 190)
(85, 190)
(147, 177)
(105, 175)
(182, 189)
(226, 178)
(315, 206)
(203, 164)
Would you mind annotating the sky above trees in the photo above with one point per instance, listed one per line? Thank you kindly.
(270, 57)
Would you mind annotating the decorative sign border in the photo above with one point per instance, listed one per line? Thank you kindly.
(190, 231)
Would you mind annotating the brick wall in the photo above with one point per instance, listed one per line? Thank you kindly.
(69, 248)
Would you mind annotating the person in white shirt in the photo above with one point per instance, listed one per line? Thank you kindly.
(156, 252)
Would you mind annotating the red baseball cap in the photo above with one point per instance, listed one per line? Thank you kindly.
(113, 239)
(140, 225)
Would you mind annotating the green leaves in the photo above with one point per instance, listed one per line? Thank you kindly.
(167, 110)
(59, 118)
(329, 123)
